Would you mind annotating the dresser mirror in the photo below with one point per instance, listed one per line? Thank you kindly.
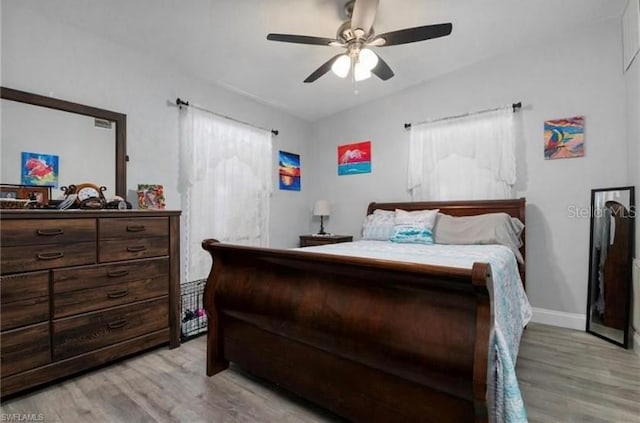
(610, 261)
(90, 143)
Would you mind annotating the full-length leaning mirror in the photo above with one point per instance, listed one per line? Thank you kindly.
(90, 142)
(610, 261)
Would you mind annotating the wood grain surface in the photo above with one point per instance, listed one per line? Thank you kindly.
(565, 376)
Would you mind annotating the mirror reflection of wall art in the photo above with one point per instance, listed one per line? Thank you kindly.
(151, 197)
(39, 169)
(289, 171)
(564, 138)
(354, 158)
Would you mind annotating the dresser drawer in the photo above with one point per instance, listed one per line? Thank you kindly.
(47, 231)
(133, 228)
(37, 257)
(127, 249)
(24, 348)
(24, 298)
(91, 288)
(79, 334)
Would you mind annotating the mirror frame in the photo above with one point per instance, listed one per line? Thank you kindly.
(632, 205)
(81, 109)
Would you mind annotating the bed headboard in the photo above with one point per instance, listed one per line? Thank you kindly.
(514, 208)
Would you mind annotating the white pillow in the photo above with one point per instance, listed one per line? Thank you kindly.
(415, 227)
(378, 225)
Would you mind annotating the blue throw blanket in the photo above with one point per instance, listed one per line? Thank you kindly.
(511, 307)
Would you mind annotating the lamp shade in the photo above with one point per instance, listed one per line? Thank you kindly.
(341, 66)
(361, 72)
(322, 208)
(368, 58)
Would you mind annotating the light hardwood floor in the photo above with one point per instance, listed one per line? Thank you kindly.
(565, 376)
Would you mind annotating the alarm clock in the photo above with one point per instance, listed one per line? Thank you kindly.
(87, 195)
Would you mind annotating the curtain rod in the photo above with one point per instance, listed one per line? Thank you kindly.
(514, 106)
(181, 103)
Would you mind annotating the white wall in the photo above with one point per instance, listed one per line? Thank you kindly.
(581, 76)
(54, 59)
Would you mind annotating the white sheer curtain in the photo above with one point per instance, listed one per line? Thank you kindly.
(225, 171)
(469, 158)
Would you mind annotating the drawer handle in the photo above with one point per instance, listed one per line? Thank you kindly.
(117, 324)
(136, 248)
(50, 256)
(117, 273)
(135, 228)
(50, 232)
(118, 294)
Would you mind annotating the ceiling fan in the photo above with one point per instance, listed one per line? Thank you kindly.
(357, 35)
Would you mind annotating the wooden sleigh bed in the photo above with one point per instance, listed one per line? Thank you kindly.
(371, 340)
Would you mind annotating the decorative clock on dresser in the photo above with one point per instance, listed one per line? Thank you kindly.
(82, 288)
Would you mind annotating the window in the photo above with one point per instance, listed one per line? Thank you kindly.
(466, 158)
(225, 171)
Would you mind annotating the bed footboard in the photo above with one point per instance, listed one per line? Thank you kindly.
(372, 340)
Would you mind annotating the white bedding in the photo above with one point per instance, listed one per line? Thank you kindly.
(511, 307)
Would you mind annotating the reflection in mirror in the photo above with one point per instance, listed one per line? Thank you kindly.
(611, 255)
(83, 144)
(90, 142)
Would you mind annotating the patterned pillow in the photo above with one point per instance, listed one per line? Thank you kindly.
(379, 225)
(414, 227)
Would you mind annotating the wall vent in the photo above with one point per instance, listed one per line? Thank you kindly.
(631, 32)
(102, 123)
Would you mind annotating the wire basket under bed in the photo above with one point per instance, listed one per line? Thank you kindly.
(193, 316)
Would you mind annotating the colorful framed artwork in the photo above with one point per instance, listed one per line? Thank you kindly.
(151, 196)
(354, 158)
(289, 171)
(39, 169)
(564, 138)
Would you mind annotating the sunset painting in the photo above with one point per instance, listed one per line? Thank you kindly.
(564, 138)
(354, 158)
(289, 171)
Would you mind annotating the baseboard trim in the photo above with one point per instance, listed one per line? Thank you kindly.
(559, 318)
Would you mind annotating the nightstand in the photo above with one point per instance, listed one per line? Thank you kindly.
(309, 240)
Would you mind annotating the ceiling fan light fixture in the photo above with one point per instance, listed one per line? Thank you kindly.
(341, 66)
(368, 58)
(361, 72)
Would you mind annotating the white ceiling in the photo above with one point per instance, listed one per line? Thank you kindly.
(224, 41)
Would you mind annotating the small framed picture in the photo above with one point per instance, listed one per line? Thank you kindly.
(40, 194)
(151, 197)
(9, 191)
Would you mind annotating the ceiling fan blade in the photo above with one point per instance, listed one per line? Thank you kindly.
(363, 16)
(411, 35)
(326, 67)
(302, 39)
(382, 70)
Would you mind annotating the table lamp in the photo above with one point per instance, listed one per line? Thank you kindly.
(322, 209)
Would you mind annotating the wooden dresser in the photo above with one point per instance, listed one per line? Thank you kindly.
(82, 288)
